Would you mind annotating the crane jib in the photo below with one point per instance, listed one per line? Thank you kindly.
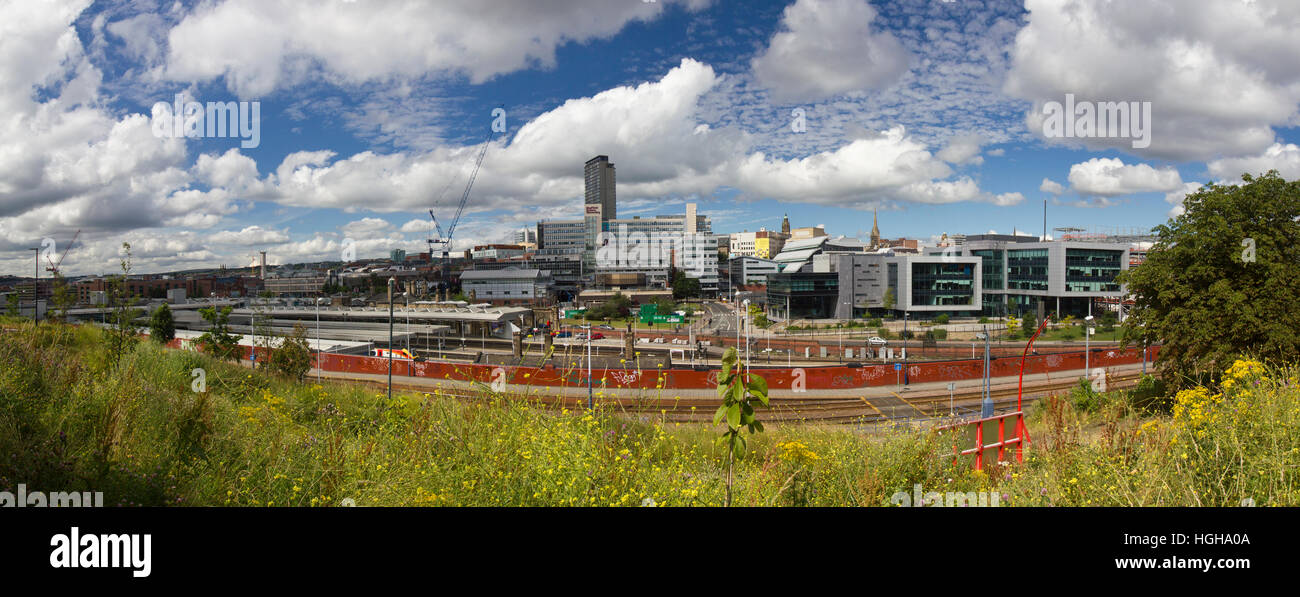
(439, 237)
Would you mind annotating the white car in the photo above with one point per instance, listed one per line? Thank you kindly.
(877, 340)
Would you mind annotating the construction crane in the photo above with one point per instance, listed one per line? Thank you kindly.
(444, 240)
(54, 265)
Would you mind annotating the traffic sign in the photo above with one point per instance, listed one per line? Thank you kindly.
(898, 366)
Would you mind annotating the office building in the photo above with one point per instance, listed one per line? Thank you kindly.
(750, 271)
(598, 179)
(1021, 274)
(507, 286)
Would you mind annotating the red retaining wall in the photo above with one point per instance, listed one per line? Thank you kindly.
(783, 378)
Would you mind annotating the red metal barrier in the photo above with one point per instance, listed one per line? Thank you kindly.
(1019, 438)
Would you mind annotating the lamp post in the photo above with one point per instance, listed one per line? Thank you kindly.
(1087, 344)
(737, 303)
(319, 366)
(587, 337)
(36, 287)
(906, 381)
(392, 282)
(746, 325)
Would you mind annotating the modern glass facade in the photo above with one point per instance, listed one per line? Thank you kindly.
(991, 269)
(1092, 270)
(935, 284)
(1027, 269)
(803, 295)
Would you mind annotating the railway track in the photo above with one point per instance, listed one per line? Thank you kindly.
(841, 409)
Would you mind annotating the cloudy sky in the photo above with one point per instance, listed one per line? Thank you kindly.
(372, 111)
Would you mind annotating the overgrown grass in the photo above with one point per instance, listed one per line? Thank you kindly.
(140, 435)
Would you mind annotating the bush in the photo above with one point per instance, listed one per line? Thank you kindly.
(293, 357)
(941, 319)
(162, 328)
(939, 334)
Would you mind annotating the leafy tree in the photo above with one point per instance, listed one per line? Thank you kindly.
(263, 334)
(941, 319)
(684, 286)
(928, 340)
(293, 357)
(11, 305)
(1013, 327)
(1030, 326)
(218, 341)
(62, 299)
(1221, 280)
(890, 300)
(162, 326)
(617, 306)
(121, 335)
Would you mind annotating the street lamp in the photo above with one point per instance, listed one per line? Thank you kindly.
(392, 282)
(737, 303)
(746, 325)
(319, 365)
(906, 381)
(36, 287)
(1087, 343)
(587, 327)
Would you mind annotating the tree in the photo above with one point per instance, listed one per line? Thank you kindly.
(890, 300)
(941, 319)
(122, 333)
(162, 327)
(1221, 280)
(11, 304)
(293, 357)
(218, 341)
(62, 298)
(928, 340)
(684, 286)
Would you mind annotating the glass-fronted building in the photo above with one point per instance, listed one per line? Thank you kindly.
(1023, 274)
(802, 295)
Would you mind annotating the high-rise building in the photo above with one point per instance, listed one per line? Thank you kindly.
(598, 176)
(525, 236)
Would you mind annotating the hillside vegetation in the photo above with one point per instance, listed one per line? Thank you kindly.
(72, 421)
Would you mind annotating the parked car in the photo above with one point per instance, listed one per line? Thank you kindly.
(597, 336)
(580, 336)
(604, 327)
(877, 340)
(564, 334)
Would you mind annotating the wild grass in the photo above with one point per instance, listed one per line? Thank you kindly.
(69, 421)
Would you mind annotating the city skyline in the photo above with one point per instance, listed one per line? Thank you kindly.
(935, 116)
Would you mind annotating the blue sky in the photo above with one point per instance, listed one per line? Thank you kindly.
(928, 111)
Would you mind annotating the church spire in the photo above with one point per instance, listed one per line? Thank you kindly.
(875, 231)
(785, 225)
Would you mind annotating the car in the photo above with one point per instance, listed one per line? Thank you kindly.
(981, 336)
(877, 340)
(605, 327)
(580, 336)
(563, 334)
(597, 336)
